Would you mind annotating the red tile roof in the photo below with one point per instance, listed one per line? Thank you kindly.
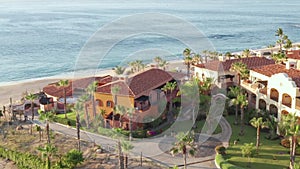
(270, 70)
(251, 62)
(56, 91)
(140, 84)
(294, 54)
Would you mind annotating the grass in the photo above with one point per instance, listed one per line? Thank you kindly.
(271, 154)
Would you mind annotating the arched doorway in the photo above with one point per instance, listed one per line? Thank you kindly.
(274, 110)
(274, 94)
(262, 104)
(286, 100)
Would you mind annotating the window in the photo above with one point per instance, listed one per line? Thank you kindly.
(109, 104)
(99, 102)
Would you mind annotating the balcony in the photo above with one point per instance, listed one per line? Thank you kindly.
(274, 95)
(287, 100)
(263, 91)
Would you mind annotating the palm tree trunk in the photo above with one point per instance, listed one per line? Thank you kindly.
(48, 132)
(78, 131)
(188, 70)
(257, 137)
(242, 121)
(292, 151)
(32, 110)
(126, 161)
(87, 116)
(48, 162)
(184, 159)
(65, 103)
(236, 115)
(94, 106)
(121, 158)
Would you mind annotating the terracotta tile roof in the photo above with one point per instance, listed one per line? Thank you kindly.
(270, 70)
(140, 84)
(56, 91)
(294, 54)
(123, 87)
(251, 62)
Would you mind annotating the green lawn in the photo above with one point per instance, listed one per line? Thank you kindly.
(271, 154)
(71, 116)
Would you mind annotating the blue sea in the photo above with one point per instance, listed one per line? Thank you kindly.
(44, 38)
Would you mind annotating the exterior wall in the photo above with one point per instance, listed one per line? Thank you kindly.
(122, 100)
(207, 73)
(283, 84)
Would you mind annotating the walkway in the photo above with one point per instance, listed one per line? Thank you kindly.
(156, 149)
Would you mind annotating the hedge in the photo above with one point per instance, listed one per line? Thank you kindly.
(22, 160)
(224, 164)
(65, 121)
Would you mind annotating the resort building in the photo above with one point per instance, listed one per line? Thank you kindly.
(54, 95)
(220, 70)
(141, 92)
(275, 88)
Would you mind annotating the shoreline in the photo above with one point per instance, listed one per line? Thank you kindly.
(15, 89)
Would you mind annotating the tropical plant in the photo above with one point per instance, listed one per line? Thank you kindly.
(73, 158)
(32, 98)
(119, 70)
(271, 48)
(279, 58)
(205, 53)
(169, 87)
(115, 91)
(288, 44)
(184, 145)
(233, 93)
(228, 55)
(46, 117)
(91, 89)
(289, 124)
(258, 123)
(78, 108)
(248, 151)
(39, 129)
(48, 151)
(246, 53)
(126, 147)
(83, 100)
(188, 60)
(196, 59)
(242, 101)
(240, 69)
(64, 84)
(157, 60)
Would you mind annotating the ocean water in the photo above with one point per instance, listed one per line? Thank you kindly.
(45, 38)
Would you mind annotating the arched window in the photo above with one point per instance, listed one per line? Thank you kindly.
(99, 102)
(109, 104)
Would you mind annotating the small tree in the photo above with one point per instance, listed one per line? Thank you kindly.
(64, 84)
(73, 158)
(126, 147)
(184, 145)
(47, 117)
(258, 123)
(248, 151)
(48, 151)
(234, 92)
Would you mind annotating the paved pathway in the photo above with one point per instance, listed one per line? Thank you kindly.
(155, 149)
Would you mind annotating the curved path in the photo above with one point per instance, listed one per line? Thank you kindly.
(157, 148)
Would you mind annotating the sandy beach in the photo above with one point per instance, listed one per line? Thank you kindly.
(16, 89)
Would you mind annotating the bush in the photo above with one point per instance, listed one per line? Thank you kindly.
(73, 158)
(224, 164)
(65, 121)
(220, 150)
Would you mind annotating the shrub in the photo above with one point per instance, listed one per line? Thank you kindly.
(65, 121)
(73, 158)
(220, 150)
(224, 164)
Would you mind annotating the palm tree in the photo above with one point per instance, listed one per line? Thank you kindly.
(115, 90)
(47, 117)
(234, 92)
(126, 147)
(48, 151)
(163, 64)
(290, 125)
(170, 87)
(64, 84)
(184, 145)
(196, 59)
(240, 69)
(32, 98)
(188, 60)
(279, 58)
(78, 109)
(279, 33)
(205, 53)
(83, 100)
(271, 48)
(205, 86)
(91, 89)
(246, 53)
(121, 110)
(258, 123)
(288, 44)
(119, 70)
(243, 102)
(228, 55)
(157, 60)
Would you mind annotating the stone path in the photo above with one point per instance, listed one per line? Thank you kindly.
(156, 148)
